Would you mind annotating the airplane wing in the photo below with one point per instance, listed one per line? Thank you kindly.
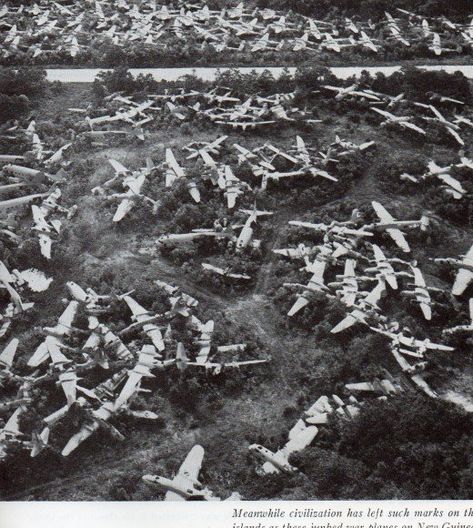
(172, 496)
(68, 380)
(349, 270)
(300, 436)
(154, 333)
(349, 298)
(8, 354)
(462, 280)
(238, 364)
(318, 172)
(203, 354)
(349, 292)
(310, 225)
(426, 310)
(437, 113)
(318, 413)
(39, 218)
(364, 386)
(74, 442)
(300, 144)
(54, 351)
(135, 183)
(387, 270)
(136, 308)
(76, 291)
(349, 320)
(434, 346)
(451, 182)
(67, 317)
(423, 385)
(13, 425)
(173, 165)
(412, 126)
(124, 207)
(132, 383)
(231, 199)
(207, 159)
(217, 141)
(36, 280)
(213, 268)
(5, 275)
(118, 167)
(170, 177)
(39, 356)
(189, 471)
(364, 94)
(339, 251)
(318, 269)
(455, 134)
(374, 296)
(333, 88)
(45, 244)
(385, 114)
(378, 253)
(231, 192)
(382, 213)
(399, 238)
(300, 303)
(418, 278)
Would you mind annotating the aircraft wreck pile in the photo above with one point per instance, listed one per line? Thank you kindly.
(148, 343)
(356, 261)
(54, 32)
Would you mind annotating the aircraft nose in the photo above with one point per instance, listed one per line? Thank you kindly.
(149, 479)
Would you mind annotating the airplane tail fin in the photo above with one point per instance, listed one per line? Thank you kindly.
(39, 442)
(424, 223)
(181, 357)
(101, 359)
(149, 164)
(139, 133)
(355, 215)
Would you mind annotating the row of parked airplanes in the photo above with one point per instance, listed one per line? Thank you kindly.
(221, 107)
(48, 27)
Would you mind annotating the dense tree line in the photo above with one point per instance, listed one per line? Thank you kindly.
(18, 90)
(406, 447)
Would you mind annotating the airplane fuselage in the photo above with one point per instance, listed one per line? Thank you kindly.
(455, 263)
(269, 456)
(187, 492)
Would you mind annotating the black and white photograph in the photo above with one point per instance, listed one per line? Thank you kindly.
(236, 250)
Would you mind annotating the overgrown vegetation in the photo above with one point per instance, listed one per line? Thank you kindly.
(19, 90)
(407, 447)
